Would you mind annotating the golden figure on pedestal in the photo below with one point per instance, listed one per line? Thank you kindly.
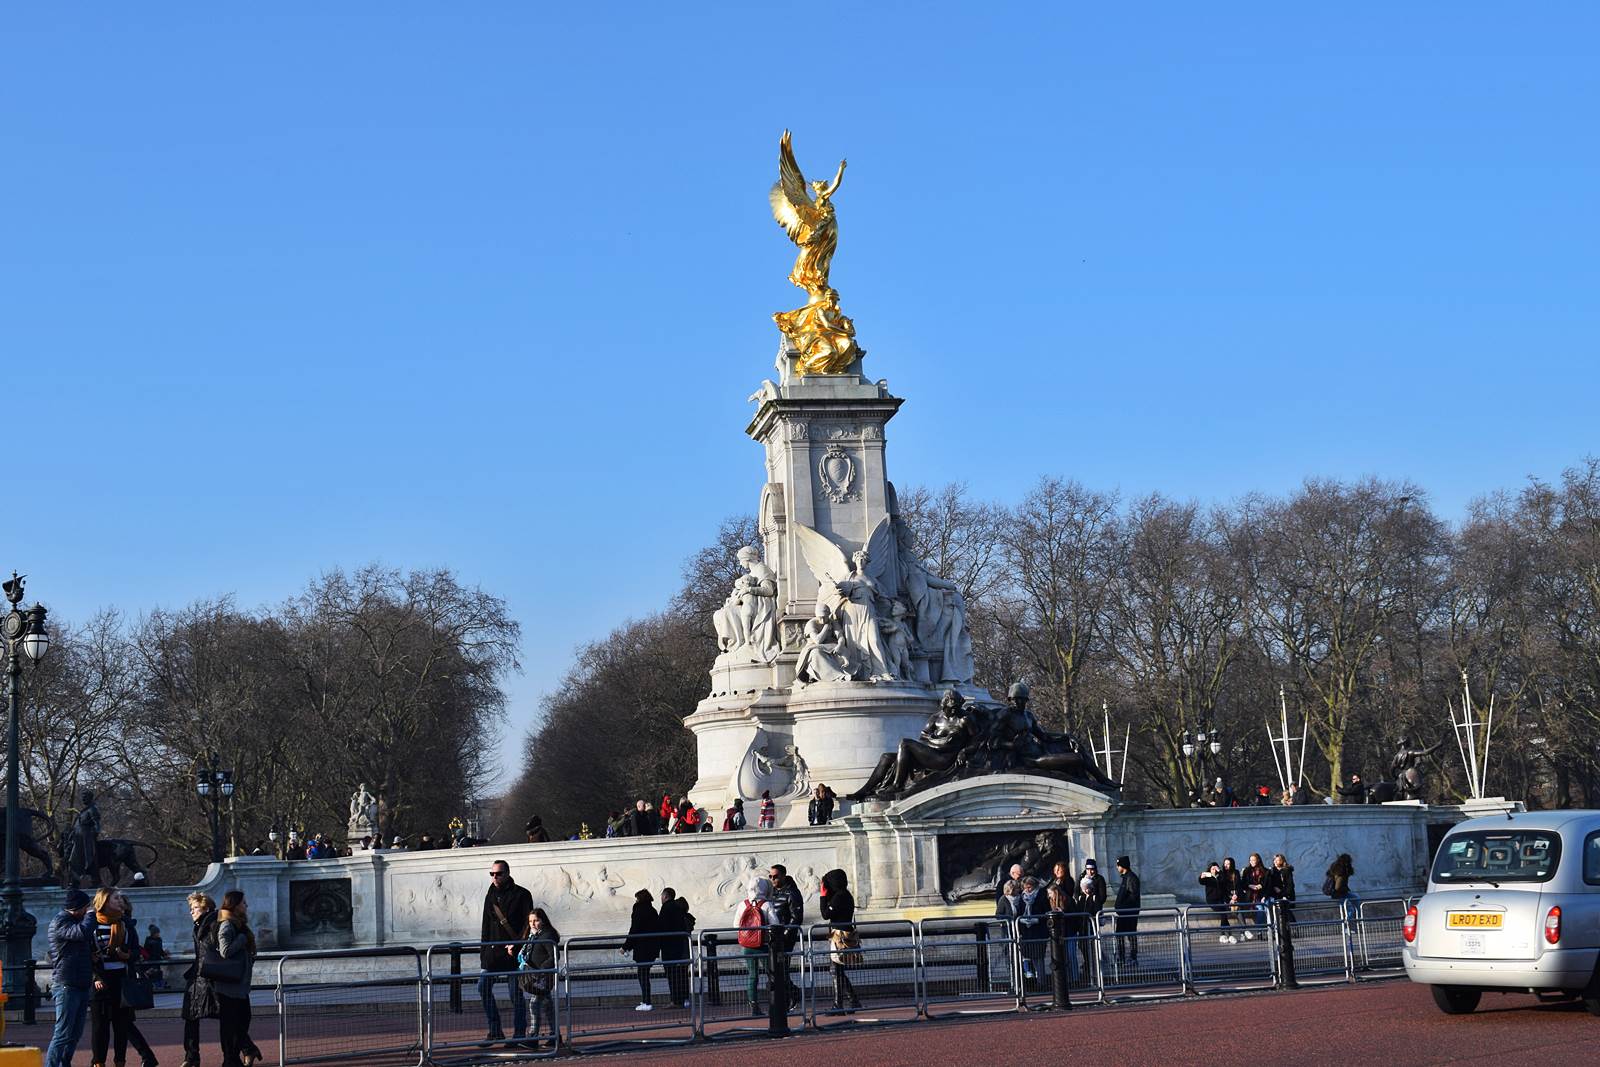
(823, 335)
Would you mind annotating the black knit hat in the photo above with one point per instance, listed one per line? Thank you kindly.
(1122, 861)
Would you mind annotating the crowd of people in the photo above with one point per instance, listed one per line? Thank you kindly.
(1244, 895)
(518, 950)
(101, 970)
(682, 816)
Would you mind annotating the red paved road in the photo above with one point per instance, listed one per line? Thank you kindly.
(1393, 1023)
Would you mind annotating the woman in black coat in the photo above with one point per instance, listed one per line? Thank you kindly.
(839, 909)
(676, 919)
(1280, 883)
(643, 943)
(1216, 892)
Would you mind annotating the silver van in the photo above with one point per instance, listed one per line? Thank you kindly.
(1513, 906)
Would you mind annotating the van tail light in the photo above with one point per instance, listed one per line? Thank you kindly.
(1409, 927)
(1552, 925)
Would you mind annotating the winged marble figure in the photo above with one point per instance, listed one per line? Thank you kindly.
(856, 585)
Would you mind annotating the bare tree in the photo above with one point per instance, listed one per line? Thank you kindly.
(1328, 573)
(1174, 618)
(1057, 552)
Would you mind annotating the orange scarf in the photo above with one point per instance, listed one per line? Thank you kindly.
(119, 932)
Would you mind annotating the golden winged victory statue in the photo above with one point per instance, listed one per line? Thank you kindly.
(822, 334)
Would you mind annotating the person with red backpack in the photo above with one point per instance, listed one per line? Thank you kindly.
(757, 917)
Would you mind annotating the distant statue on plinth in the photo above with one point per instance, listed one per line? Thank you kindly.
(82, 859)
(363, 812)
(747, 622)
(1404, 770)
(822, 334)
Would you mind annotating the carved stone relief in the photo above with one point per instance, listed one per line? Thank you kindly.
(836, 472)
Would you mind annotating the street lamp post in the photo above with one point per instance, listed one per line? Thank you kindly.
(25, 636)
(216, 787)
(1196, 745)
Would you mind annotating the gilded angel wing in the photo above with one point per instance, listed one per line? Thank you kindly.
(826, 560)
(883, 558)
(790, 197)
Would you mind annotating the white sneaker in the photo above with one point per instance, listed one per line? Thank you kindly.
(1248, 936)
(644, 1007)
(1223, 940)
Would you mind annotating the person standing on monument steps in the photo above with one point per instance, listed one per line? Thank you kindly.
(505, 919)
(769, 811)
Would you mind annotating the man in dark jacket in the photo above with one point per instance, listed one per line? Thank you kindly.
(641, 821)
(820, 811)
(787, 895)
(1127, 901)
(1355, 792)
(71, 937)
(505, 918)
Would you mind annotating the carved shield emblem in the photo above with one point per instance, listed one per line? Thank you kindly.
(837, 472)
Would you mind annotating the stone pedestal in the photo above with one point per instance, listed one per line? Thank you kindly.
(824, 443)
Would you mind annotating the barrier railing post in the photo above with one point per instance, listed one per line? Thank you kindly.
(30, 993)
(1185, 979)
(424, 999)
(283, 1019)
(1347, 928)
(713, 978)
(980, 938)
(455, 978)
(1283, 931)
(919, 973)
(1014, 930)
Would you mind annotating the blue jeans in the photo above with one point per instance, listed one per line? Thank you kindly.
(71, 1004)
(491, 1010)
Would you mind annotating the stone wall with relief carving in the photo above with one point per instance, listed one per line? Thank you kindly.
(588, 887)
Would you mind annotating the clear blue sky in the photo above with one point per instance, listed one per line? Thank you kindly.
(487, 288)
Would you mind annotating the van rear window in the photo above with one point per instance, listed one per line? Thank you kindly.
(1498, 856)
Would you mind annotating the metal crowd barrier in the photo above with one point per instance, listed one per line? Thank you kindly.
(611, 998)
(880, 974)
(1228, 949)
(404, 1007)
(1323, 939)
(968, 965)
(457, 994)
(1142, 954)
(1379, 938)
(369, 1007)
(736, 984)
